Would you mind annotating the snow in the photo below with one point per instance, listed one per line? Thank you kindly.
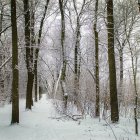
(39, 124)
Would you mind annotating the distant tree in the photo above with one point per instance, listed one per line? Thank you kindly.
(134, 63)
(37, 49)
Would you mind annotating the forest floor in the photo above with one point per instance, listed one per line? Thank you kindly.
(41, 124)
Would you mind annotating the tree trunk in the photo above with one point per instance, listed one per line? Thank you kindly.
(37, 50)
(64, 61)
(35, 73)
(15, 73)
(1, 56)
(112, 66)
(121, 94)
(136, 93)
(136, 104)
(29, 55)
(76, 62)
(134, 71)
(33, 42)
(97, 106)
(40, 93)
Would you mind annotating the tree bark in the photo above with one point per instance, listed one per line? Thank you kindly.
(35, 73)
(40, 93)
(97, 106)
(1, 55)
(76, 61)
(33, 41)
(29, 55)
(15, 73)
(121, 94)
(112, 66)
(64, 61)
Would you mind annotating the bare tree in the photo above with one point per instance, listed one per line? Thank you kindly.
(64, 61)
(112, 67)
(29, 55)
(77, 56)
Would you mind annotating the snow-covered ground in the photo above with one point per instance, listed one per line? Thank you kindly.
(39, 124)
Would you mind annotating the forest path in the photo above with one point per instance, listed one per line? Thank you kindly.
(39, 124)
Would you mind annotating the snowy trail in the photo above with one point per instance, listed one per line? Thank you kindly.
(39, 125)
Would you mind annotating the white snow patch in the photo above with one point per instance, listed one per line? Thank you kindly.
(39, 125)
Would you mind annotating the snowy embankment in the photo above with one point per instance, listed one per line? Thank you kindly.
(39, 124)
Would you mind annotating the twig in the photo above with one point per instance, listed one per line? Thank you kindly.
(5, 62)
(111, 129)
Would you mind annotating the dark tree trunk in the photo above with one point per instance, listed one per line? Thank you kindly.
(112, 67)
(136, 103)
(121, 94)
(97, 106)
(15, 73)
(121, 66)
(29, 55)
(29, 101)
(40, 93)
(76, 61)
(35, 73)
(33, 42)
